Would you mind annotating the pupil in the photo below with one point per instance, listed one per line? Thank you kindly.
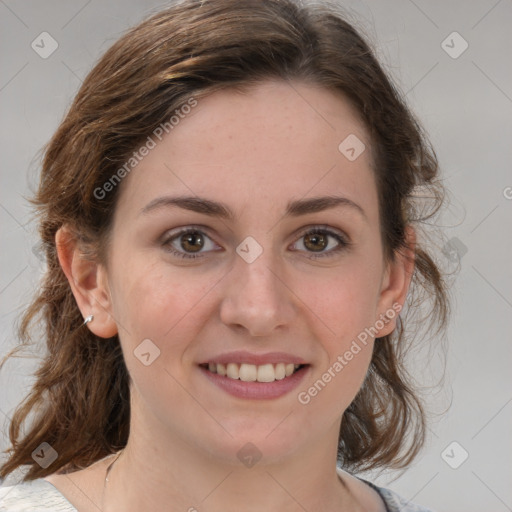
(316, 238)
(195, 241)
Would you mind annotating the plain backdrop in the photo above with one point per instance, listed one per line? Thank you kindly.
(464, 100)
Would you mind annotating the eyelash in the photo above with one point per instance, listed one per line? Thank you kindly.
(341, 239)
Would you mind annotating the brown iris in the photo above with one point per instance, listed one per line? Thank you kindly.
(315, 241)
(192, 242)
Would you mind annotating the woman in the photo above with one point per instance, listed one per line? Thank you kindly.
(228, 212)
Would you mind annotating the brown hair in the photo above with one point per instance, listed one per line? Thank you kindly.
(80, 398)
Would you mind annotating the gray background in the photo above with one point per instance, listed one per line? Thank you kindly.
(465, 103)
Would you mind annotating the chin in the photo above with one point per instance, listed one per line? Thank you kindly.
(256, 445)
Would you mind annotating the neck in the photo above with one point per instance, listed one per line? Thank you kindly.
(173, 476)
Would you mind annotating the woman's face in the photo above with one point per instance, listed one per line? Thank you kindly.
(254, 287)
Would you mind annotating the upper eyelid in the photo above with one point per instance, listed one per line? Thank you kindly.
(174, 233)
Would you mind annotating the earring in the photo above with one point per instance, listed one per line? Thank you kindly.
(90, 318)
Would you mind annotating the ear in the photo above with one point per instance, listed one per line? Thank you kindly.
(88, 282)
(395, 284)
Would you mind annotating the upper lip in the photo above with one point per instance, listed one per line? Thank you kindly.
(242, 356)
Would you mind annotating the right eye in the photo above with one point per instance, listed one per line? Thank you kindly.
(188, 243)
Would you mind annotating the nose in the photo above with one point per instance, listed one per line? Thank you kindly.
(257, 298)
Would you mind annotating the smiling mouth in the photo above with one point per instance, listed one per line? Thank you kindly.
(254, 373)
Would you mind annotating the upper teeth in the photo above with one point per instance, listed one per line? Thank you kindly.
(253, 373)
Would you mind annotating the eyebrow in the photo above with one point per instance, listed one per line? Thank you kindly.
(216, 209)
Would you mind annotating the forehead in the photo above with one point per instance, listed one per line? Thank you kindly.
(276, 141)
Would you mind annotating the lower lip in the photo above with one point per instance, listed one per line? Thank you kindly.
(257, 390)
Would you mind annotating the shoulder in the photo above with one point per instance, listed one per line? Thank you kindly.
(373, 497)
(396, 503)
(36, 495)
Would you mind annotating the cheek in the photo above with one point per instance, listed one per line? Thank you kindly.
(345, 302)
(158, 313)
(347, 309)
(334, 386)
(166, 305)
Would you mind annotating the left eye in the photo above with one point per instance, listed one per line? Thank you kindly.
(322, 242)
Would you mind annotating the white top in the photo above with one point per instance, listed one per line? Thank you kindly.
(33, 496)
(40, 495)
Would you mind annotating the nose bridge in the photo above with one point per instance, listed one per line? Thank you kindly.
(256, 298)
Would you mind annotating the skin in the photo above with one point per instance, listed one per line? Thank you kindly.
(254, 152)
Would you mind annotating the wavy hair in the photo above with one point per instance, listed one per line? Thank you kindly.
(80, 401)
